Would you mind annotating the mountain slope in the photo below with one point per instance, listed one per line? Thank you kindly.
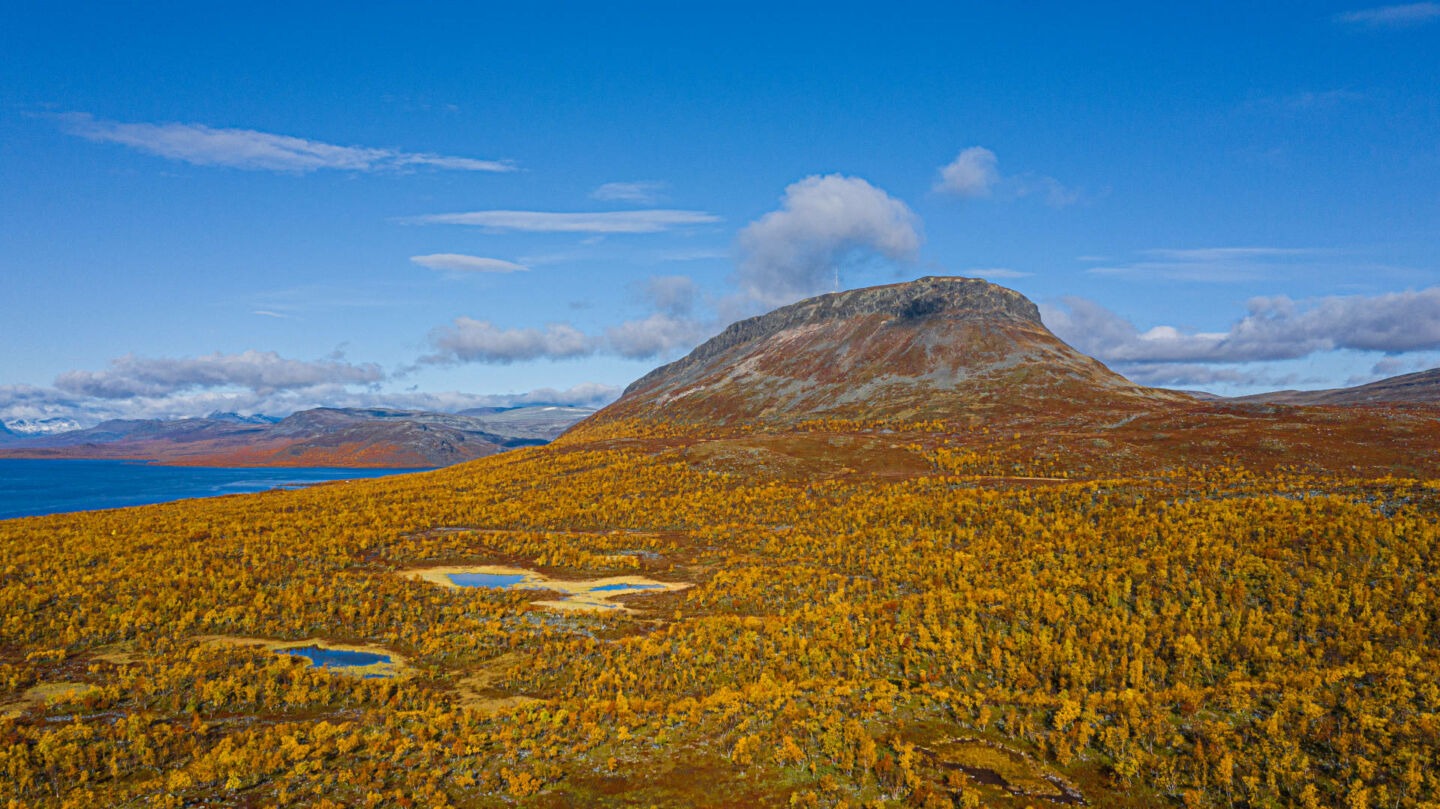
(931, 348)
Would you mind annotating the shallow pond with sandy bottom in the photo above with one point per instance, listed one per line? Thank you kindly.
(587, 595)
(342, 658)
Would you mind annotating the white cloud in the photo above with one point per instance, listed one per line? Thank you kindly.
(268, 313)
(456, 262)
(656, 335)
(1400, 16)
(642, 192)
(259, 151)
(1274, 328)
(585, 394)
(975, 173)
(971, 174)
(31, 403)
(643, 221)
(471, 340)
(823, 223)
(260, 371)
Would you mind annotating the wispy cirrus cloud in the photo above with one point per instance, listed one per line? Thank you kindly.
(1397, 16)
(641, 192)
(456, 262)
(1213, 264)
(697, 254)
(997, 272)
(641, 221)
(1316, 100)
(1226, 253)
(252, 150)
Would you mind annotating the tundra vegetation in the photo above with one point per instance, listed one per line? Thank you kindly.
(947, 618)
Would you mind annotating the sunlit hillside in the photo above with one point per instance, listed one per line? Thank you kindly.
(882, 614)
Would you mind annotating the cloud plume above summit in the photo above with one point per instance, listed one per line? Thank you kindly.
(824, 223)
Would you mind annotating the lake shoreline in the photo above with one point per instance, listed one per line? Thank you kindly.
(44, 487)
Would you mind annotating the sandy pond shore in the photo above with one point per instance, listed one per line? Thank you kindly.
(582, 595)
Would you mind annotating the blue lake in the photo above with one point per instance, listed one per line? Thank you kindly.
(335, 658)
(497, 580)
(32, 487)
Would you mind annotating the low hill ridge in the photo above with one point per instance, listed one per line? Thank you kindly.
(1421, 387)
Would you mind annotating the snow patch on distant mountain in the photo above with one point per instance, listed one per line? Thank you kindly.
(236, 418)
(46, 426)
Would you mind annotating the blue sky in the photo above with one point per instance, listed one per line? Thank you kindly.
(261, 207)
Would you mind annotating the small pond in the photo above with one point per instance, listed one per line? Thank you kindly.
(590, 594)
(335, 658)
(496, 580)
(607, 587)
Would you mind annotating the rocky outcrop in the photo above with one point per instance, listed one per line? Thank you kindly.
(924, 299)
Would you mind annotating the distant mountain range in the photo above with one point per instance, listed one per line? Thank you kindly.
(357, 437)
(1417, 388)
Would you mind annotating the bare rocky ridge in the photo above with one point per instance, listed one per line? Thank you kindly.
(936, 347)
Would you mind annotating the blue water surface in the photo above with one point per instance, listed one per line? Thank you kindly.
(32, 487)
(497, 580)
(335, 658)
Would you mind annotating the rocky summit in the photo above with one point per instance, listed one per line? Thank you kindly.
(936, 347)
